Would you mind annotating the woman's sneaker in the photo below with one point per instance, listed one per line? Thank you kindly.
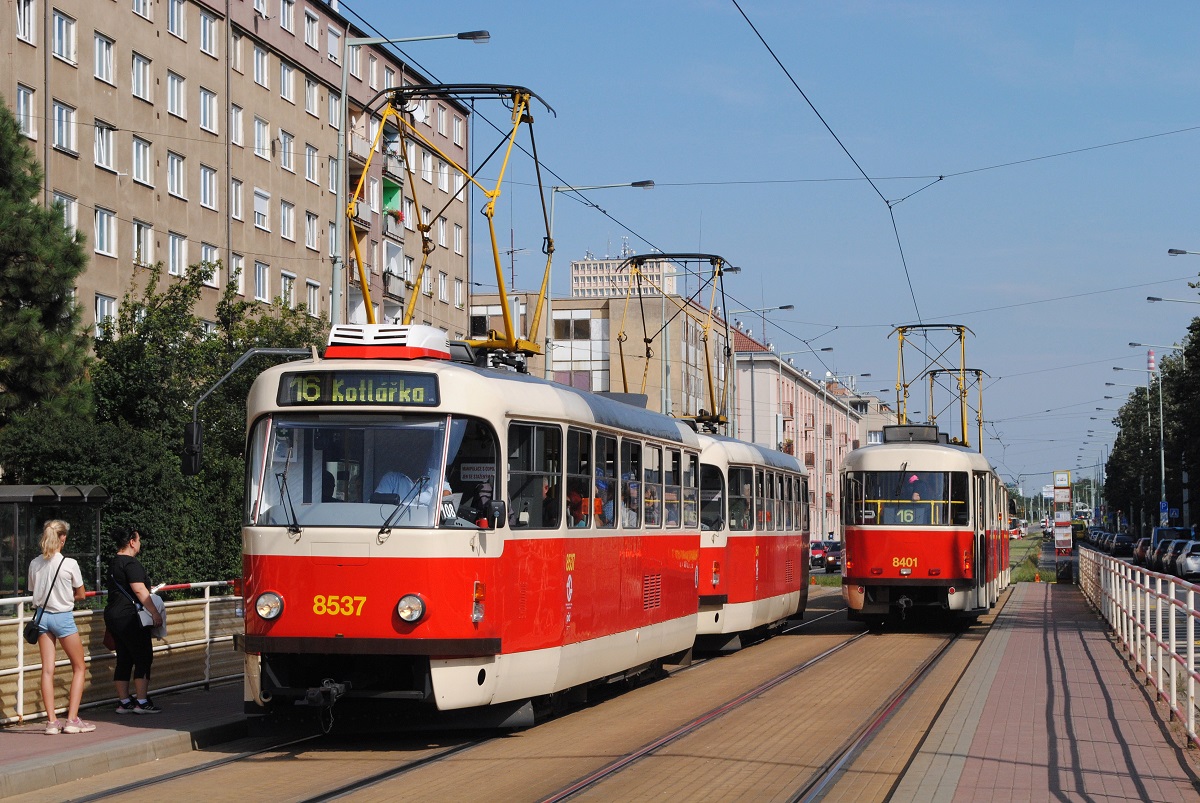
(147, 707)
(54, 727)
(127, 707)
(77, 725)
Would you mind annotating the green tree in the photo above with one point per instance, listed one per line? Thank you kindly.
(43, 348)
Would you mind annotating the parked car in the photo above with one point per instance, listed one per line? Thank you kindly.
(833, 557)
(1160, 551)
(1141, 551)
(1172, 555)
(1187, 565)
(817, 554)
(1121, 546)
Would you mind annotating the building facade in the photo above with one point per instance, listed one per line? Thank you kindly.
(608, 278)
(188, 131)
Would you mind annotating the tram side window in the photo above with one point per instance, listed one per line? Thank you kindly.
(579, 478)
(606, 481)
(789, 507)
(672, 487)
(712, 498)
(653, 486)
(760, 499)
(471, 472)
(631, 486)
(801, 507)
(741, 499)
(691, 494)
(534, 475)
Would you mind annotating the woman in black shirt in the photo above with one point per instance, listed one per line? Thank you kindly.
(127, 582)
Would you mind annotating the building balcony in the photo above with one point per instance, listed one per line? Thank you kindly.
(393, 225)
(358, 147)
(393, 168)
(394, 286)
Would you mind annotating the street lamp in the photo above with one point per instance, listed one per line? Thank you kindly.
(1176, 252)
(1152, 299)
(547, 290)
(339, 221)
(763, 311)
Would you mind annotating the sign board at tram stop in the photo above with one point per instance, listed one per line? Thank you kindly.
(1063, 512)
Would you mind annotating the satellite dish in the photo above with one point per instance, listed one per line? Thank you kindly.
(417, 111)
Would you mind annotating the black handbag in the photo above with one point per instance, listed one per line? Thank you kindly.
(30, 630)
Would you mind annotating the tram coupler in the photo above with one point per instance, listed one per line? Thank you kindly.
(905, 603)
(325, 695)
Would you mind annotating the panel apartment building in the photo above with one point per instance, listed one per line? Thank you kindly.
(184, 131)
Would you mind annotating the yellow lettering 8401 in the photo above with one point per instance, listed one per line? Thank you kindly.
(904, 563)
(334, 605)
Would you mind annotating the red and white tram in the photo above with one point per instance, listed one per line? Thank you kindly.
(924, 528)
(754, 541)
(423, 531)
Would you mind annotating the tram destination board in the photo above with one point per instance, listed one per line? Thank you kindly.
(334, 388)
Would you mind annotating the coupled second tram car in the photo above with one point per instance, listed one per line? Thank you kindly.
(426, 533)
(924, 528)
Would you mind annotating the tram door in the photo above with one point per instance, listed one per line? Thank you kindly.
(983, 511)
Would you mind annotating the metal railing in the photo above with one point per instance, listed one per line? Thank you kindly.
(1154, 616)
(198, 650)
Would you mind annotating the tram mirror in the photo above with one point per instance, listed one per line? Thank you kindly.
(497, 513)
(193, 447)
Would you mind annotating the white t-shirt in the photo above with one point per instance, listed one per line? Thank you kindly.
(62, 596)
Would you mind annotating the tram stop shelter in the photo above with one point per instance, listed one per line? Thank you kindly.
(23, 511)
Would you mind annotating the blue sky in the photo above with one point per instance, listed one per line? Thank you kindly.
(1048, 261)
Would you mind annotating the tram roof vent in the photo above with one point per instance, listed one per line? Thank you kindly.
(387, 341)
(910, 433)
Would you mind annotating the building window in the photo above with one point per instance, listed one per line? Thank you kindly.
(63, 45)
(176, 253)
(68, 206)
(458, 293)
(458, 186)
(208, 34)
(262, 138)
(441, 119)
(311, 230)
(176, 104)
(410, 265)
(287, 289)
(261, 64)
(235, 53)
(141, 162)
(208, 187)
(310, 96)
(458, 127)
(104, 59)
(262, 282)
(335, 111)
(235, 124)
(287, 159)
(235, 199)
(287, 220)
(410, 215)
(177, 18)
(143, 243)
(333, 174)
(373, 72)
(427, 166)
(208, 255)
(106, 232)
(332, 238)
(262, 213)
(141, 77)
(142, 8)
(287, 82)
(310, 163)
(335, 46)
(312, 29)
(443, 176)
(26, 21)
(104, 146)
(64, 127)
(389, 77)
(443, 288)
(287, 15)
(458, 239)
(314, 298)
(176, 177)
(237, 273)
(106, 312)
(442, 232)
(26, 119)
(354, 61)
(427, 283)
(208, 110)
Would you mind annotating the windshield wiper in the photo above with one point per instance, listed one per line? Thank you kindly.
(900, 483)
(285, 493)
(404, 505)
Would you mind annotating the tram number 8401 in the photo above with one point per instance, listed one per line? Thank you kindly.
(338, 606)
(904, 563)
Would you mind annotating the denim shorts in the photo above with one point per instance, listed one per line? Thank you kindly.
(59, 625)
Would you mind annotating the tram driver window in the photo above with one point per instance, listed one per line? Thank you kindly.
(534, 476)
(741, 499)
(712, 498)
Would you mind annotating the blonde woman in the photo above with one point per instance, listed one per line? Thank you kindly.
(58, 582)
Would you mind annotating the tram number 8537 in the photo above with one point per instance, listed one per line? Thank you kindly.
(338, 606)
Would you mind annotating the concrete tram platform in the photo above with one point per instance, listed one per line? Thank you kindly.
(31, 760)
(1049, 710)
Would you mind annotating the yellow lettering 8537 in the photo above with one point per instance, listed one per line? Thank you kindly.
(334, 605)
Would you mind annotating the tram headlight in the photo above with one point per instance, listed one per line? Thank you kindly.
(410, 608)
(269, 605)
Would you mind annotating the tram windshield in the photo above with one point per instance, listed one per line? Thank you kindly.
(408, 471)
(908, 497)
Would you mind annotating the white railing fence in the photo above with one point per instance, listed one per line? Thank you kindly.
(1154, 617)
(198, 650)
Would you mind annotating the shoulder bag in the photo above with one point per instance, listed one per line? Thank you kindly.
(31, 627)
(144, 616)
